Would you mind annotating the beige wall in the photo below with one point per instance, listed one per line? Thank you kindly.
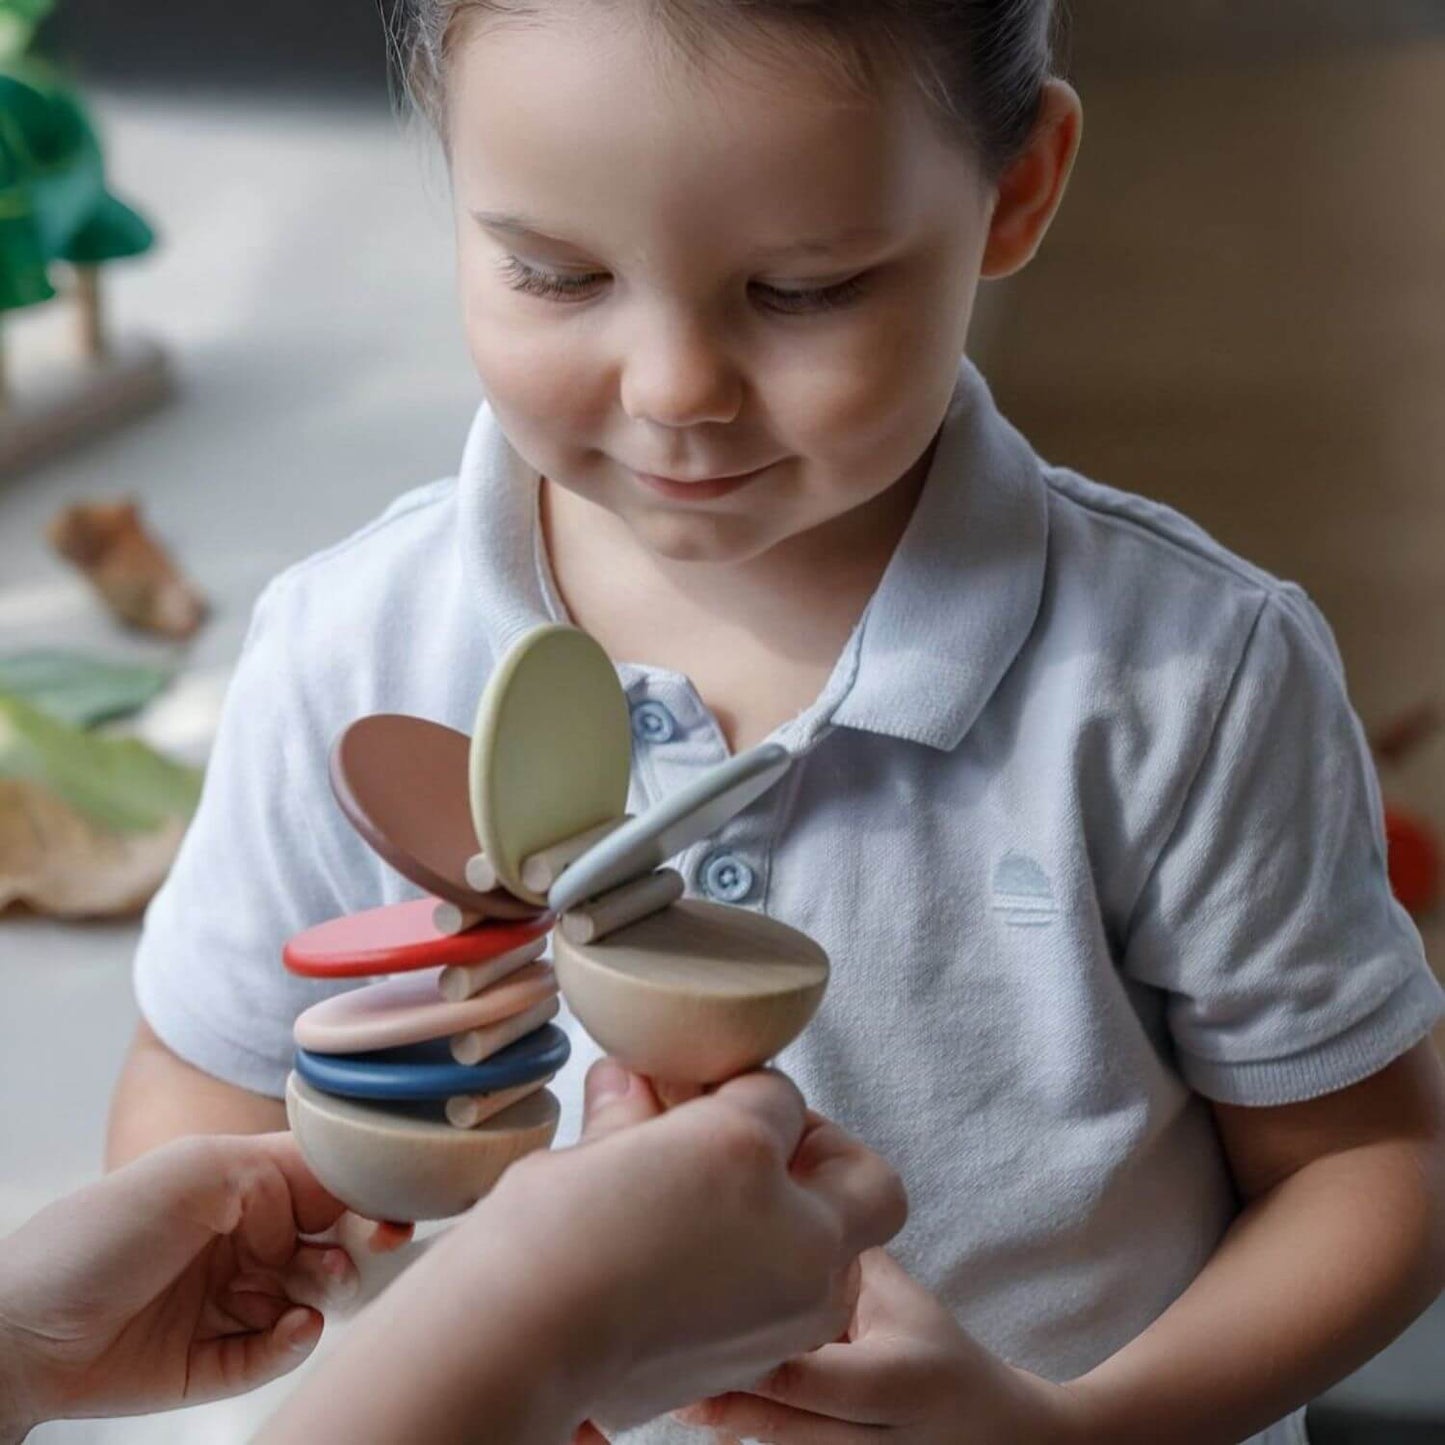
(1242, 312)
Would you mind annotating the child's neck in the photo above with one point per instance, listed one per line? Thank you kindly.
(758, 638)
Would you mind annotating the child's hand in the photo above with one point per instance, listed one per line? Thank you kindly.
(905, 1366)
(178, 1279)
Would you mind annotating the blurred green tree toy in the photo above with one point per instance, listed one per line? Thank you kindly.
(55, 208)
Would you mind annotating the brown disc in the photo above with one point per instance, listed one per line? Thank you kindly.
(402, 781)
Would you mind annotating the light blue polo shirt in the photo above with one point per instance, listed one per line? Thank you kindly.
(1083, 818)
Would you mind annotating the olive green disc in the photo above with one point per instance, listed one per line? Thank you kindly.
(551, 749)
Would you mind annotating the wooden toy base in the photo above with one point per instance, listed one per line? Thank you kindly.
(392, 1164)
(65, 406)
(695, 994)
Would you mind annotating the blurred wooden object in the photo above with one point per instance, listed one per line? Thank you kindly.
(1242, 313)
(1107, 36)
(56, 409)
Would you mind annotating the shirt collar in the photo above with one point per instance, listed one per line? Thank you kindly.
(956, 603)
(500, 536)
(962, 592)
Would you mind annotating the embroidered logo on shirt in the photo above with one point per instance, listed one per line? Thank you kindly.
(1022, 892)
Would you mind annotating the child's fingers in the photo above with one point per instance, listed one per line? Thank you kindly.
(387, 1236)
(844, 1381)
(616, 1099)
(358, 1235)
(237, 1363)
(671, 1095)
(322, 1276)
(751, 1418)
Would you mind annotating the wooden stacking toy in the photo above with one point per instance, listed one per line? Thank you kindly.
(411, 1096)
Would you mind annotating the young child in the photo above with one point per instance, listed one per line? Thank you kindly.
(1080, 809)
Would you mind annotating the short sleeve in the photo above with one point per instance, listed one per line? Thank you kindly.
(267, 854)
(1268, 922)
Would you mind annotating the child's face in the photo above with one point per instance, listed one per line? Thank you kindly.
(640, 298)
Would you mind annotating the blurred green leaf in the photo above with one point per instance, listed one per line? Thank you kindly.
(79, 688)
(118, 783)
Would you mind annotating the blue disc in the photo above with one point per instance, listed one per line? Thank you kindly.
(428, 1071)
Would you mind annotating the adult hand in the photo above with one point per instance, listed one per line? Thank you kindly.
(719, 1238)
(180, 1278)
(667, 1256)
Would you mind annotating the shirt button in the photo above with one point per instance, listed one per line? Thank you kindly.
(652, 723)
(726, 878)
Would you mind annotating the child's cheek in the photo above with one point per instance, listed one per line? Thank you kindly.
(527, 369)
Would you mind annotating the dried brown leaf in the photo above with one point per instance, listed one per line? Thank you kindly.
(57, 861)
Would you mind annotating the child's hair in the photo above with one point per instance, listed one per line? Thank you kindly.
(981, 64)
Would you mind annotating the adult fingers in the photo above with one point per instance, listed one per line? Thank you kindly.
(237, 1363)
(616, 1099)
(863, 1189)
(313, 1206)
(770, 1099)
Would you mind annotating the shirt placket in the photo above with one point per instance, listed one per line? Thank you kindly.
(675, 738)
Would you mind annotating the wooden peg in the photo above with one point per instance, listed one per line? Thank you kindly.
(466, 1111)
(461, 981)
(451, 920)
(595, 919)
(542, 870)
(481, 875)
(478, 1044)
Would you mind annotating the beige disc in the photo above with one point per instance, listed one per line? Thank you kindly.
(694, 994)
(405, 1163)
(551, 750)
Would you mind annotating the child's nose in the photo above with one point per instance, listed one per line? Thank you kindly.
(679, 376)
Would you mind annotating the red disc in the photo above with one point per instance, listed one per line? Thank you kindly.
(399, 938)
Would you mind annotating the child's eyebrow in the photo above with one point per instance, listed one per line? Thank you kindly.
(518, 225)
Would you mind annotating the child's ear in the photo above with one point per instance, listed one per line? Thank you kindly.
(1030, 190)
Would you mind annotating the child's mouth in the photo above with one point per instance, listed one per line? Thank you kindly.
(704, 490)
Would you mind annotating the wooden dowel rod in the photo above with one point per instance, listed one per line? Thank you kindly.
(478, 1044)
(459, 981)
(466, 1111)
(449, 919)
(541, 870)
(480, 874)
(592, 921)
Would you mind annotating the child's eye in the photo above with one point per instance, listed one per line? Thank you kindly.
(554, 285)
(566, 286)
(818, 298)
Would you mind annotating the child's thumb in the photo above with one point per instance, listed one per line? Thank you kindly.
(616, 1099)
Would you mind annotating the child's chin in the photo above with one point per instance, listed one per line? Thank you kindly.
(699, 537)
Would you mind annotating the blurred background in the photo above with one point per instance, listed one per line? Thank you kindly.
(1241, 312)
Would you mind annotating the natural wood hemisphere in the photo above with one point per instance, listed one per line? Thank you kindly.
(407, 1162)
(695, 994)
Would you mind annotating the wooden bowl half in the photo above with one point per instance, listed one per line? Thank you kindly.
(405, 1163)
(694, 994)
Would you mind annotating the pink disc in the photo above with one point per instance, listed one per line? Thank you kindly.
(411, 1010)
